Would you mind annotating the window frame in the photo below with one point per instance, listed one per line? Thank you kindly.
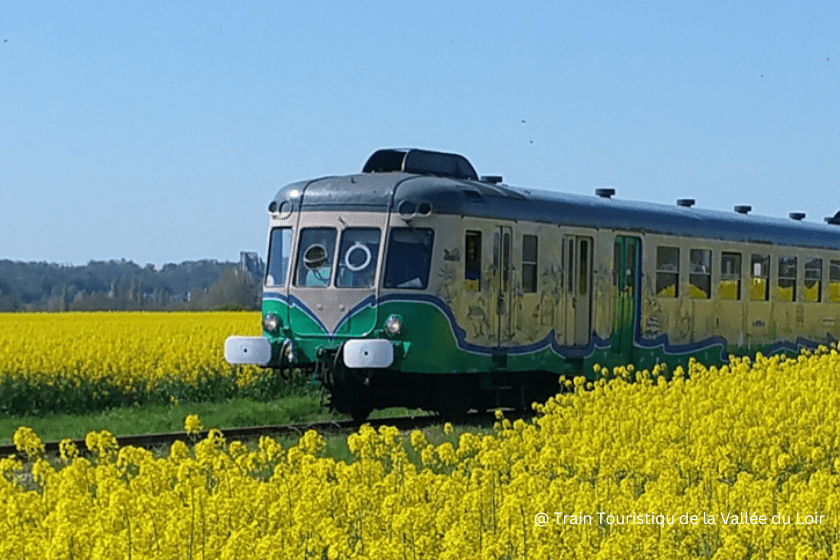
(789, 281)
(815, 280)
(731, 276)
(764, 258)
(662, 272)
(530, 267)
(704, 276)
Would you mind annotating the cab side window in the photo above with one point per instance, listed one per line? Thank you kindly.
(409, 258)
(279, 249)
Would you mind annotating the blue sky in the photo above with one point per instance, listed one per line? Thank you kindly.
(159, 131)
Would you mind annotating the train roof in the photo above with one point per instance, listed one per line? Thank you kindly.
(405, 192)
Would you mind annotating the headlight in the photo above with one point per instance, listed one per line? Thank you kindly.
(393, 325)
(270, 322)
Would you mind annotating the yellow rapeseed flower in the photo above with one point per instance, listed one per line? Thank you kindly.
(192, 424)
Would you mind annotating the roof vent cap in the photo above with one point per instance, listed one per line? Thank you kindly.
(492, 179)
(687, 202)
(743, 209)
(605, 192)
(798, 216)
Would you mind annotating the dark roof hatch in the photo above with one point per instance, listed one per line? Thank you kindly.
(420, 162)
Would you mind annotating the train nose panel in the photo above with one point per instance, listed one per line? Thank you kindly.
(333, 312)
(334, 285)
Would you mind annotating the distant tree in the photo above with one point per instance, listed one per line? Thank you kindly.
(114, 284)
(235, 289)
(8, 300)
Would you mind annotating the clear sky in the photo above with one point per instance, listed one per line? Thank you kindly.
(159, 131)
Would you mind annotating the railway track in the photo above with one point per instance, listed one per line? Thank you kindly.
(155, 441)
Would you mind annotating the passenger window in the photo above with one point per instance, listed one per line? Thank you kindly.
(834, 281)
(813, 281)
(667, 271)
(316, 250)
(409, 258)
(472, 261)
(279, 249)
(529, 264)
(759, 277)
(787, 279)
(700, 274)
(357, 256)
(730, 276)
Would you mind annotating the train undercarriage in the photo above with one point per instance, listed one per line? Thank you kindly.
(358, 391)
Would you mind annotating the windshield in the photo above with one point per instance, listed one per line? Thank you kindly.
(358, 254)
(316, 250)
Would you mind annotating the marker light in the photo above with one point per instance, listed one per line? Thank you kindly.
(393, 325)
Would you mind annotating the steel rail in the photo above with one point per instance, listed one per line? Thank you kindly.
(153, 441)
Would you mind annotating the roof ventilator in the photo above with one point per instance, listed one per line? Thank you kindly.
(743, 209)
(606, 192)
(492, 179)
(686, 202)
(798, 216)
(421, 162)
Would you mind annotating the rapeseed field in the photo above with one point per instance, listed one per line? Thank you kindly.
(78, 362)
(741, 461)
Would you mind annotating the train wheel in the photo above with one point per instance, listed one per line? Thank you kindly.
(452, 401)
(360, 413)
(350, 393)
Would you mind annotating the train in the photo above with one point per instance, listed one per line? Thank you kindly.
(418, 283)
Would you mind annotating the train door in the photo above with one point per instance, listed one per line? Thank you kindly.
(625, 291)
(578, 293)
(502, 240)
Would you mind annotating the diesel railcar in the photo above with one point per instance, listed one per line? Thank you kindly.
(418, 283)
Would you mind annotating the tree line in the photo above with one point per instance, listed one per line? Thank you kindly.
(124, 285)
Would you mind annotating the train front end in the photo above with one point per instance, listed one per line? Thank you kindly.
(333, 247)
